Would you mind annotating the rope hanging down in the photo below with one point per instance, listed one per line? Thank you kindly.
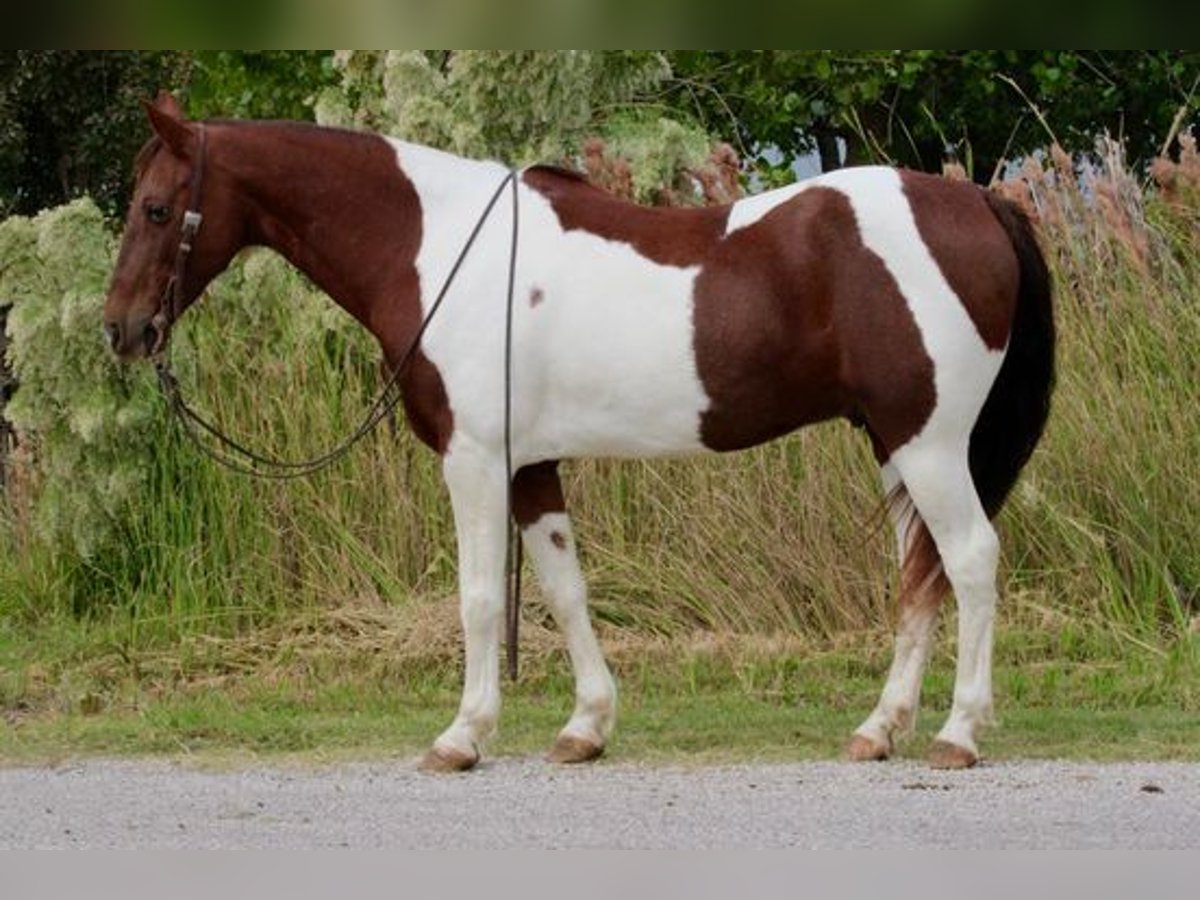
(239, 458)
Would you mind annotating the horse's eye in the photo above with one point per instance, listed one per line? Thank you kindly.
(157, 213)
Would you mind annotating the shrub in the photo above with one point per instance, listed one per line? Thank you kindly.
(90, 426)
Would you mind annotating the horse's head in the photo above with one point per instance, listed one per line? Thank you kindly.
(166, 257)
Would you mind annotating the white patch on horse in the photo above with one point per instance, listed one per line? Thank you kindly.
(607, 369)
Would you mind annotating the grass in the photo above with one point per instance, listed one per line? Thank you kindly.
(287, 697)
(230, 616)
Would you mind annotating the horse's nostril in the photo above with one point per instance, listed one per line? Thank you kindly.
(150, 336)
(113, 331)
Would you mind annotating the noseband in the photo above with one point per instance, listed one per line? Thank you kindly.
(171, 304)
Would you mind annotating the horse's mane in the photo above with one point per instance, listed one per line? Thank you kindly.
(561, 172)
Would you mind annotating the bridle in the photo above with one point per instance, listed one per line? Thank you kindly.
(239, 458)
(170, 305)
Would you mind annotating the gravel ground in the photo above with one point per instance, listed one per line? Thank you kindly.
(528, 803)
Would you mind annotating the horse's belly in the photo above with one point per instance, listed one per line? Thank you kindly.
(616, 374)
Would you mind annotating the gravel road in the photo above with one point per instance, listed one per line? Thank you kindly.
(528, 803)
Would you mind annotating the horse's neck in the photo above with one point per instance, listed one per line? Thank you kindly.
(336, 205)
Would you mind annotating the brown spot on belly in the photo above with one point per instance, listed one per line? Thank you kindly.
(536, 295)
(971, 249)
(797, 321)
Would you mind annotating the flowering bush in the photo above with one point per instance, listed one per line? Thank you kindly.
(90, 426)
(538, 106)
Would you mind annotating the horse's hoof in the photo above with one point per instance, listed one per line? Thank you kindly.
(945, 755)
(862, 749)
(570, 749)
(440, 760)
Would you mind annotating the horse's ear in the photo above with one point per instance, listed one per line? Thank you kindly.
(166, 102)
(166, 118)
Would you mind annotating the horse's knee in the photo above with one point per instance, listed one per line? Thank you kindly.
(480, 610)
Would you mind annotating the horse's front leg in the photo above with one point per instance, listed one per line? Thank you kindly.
(476, 481)
(541, 512)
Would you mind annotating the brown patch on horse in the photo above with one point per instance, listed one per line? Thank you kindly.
(974, 254)
(536, 296)
(537, 490)
(558, 539)
(426, 405)
(797, 321)
(357, 238)
(669, 236)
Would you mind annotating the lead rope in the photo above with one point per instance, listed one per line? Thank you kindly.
(512, 598)
(261, 465)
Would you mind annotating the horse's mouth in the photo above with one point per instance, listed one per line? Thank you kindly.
(154, 337)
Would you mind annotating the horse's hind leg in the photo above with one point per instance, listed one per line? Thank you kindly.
(938, 479)
(922, 588)
(546, 530)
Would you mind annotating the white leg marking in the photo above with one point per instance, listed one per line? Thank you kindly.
(552, 549)
(477, 494)
(896, 713)
(939, 481)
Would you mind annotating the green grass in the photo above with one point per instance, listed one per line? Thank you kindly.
(681, 702)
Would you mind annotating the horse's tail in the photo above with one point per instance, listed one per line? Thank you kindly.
(1014, 414)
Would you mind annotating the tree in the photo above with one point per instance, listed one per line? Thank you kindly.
(71, 121)
(257, 84)
(915, 106)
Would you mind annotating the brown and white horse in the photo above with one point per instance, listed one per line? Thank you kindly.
(916, 307)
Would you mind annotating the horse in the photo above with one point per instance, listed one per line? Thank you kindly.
(916, 307)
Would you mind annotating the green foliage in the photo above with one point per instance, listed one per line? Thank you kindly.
(256, 84)
(915, 106)
(523, 107)
(1100, 533)
(91, 426)
(1099, 536)
(71, 122)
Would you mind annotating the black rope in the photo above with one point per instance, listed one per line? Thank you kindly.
(512, 604)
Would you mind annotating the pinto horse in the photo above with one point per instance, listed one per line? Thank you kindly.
(916, 307)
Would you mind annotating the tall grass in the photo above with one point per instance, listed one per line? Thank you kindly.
(1102, 533)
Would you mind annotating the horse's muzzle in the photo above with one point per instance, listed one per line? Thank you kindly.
(131, 341)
